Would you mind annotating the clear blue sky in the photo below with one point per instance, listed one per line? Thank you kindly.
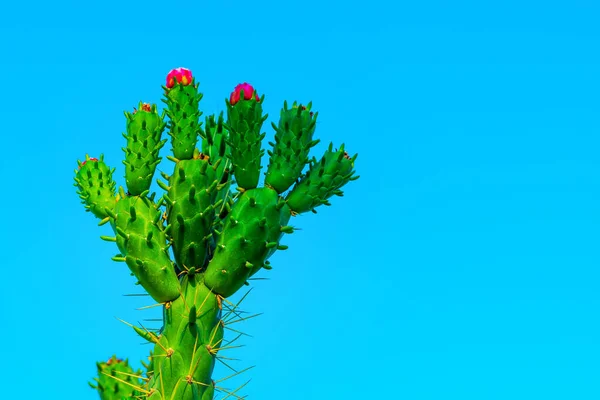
(462, 265)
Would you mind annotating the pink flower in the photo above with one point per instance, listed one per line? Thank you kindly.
(248, 92)
(180, 75)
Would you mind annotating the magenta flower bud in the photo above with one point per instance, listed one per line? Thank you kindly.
(248, 92)
(179, 75)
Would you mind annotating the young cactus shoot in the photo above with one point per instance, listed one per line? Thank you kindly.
(211, 229)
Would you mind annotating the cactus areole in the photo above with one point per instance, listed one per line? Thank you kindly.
(212, 228)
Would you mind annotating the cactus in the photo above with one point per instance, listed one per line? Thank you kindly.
(200, 242)
(116, 380)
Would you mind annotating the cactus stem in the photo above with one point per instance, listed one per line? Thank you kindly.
(171, 158)
(118, 259)
(108, 238)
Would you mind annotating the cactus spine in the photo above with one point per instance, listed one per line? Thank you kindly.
(218, 238)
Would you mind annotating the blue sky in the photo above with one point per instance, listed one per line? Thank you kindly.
(463, 263)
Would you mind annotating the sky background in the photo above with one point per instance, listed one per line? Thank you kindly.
(463, 263)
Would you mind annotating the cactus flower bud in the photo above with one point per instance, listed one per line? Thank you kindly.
(180, 75)
(145, 107)
(113, 359)
(91, 159)
(248, 92)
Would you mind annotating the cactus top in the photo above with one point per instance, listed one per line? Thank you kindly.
(91, 159)
(179, 75)
(303, 108)
(145, 107)
(113, 359)
(248, 92)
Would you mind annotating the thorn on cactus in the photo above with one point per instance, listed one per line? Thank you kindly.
(248, 91)
(179, 75)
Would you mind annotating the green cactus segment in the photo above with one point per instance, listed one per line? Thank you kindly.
(143, 243)
(184, 357)
(191, 193)
(251, 233)
(244, 121)
(293, 141)
(184, 118)
(144, 131)
(117, 380)
(95, 185)
(323, 180)
(216, 148)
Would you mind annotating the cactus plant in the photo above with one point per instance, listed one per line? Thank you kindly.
(116, 380)
(201, 241)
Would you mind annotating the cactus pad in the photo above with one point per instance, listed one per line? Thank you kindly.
(323, 180)
(96, 186)
(293, 141)
(144, 130)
